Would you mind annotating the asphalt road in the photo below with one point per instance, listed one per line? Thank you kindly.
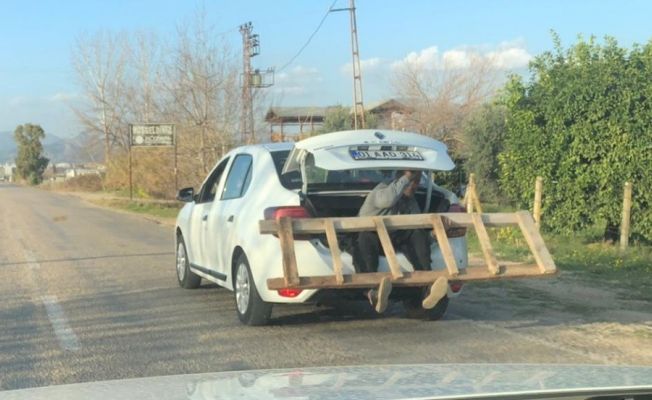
(89, 294)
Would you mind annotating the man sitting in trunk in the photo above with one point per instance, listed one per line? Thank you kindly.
(394, 198)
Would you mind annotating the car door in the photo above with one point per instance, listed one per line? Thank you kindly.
(200, 212)
(223, 218)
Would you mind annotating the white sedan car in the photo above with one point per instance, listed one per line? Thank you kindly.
(217, 231)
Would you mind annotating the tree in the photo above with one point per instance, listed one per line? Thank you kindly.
(443, 94)
(339, 118)
(30, 163)
(336, 119)
(202, 81)
(100, 62)
(483, 134)
(129, 78)
(584, 123)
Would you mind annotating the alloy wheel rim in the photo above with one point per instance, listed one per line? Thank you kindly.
(181, 261)
(242, 289)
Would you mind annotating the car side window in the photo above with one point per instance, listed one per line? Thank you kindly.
(209, 190)
(237, 182)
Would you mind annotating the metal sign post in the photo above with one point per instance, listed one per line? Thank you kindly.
(176, 172)
(152, 135)
(131, 186)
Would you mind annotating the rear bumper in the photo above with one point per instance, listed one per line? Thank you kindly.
(334, 296)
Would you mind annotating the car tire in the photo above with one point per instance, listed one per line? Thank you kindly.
(186, 278)
(251, 309)
(416, 310)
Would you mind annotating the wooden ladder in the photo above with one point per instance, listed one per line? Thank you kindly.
(286, 228)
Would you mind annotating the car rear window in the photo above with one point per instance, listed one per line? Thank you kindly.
(290, 180)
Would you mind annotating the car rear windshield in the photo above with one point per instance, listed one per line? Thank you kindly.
(321, 179)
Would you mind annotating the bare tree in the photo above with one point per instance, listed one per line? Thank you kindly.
(192, 82)
(146, 68)
(442, 95)
(202, 82)
(100, 63)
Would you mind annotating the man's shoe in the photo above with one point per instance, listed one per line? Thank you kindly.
(438, 290)
(379, 298)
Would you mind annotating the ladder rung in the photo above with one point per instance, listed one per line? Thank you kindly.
(444, 244)
(388, 248)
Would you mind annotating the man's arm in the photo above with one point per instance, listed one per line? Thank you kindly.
(388, 196)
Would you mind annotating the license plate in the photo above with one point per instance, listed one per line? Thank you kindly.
(386, 155)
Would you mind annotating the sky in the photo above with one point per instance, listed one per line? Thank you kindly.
(37, 83)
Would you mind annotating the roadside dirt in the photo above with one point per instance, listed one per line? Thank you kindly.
(573, 311)
(101, 200)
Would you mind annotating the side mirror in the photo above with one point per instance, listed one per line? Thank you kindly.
(186, 195)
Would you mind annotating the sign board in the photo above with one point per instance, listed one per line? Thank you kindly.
(152, 135)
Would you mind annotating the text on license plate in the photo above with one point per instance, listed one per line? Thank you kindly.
(386, 155)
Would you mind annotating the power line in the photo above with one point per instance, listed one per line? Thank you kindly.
(309, 38)
(226, 32)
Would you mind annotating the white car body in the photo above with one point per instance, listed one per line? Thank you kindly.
(215, 232)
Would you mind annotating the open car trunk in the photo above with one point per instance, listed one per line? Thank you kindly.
(337, 171)
(347, 204)
(334, 173)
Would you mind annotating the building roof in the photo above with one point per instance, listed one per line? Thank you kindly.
(387, 104)
(294, 114)
(317, 114)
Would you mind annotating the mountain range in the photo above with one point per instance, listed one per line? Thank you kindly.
(57, 149)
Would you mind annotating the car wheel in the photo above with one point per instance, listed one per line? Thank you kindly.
(186, 278)
(415, 310)
(251, 309)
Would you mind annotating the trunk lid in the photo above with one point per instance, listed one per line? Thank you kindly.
(369, 149)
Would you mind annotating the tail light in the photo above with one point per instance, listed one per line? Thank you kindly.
(276, 213)
(288, 292)
(289, 211)
(456, 208)
(455, 286)
(456, 231)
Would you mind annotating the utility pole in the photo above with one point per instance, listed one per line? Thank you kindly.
(247, 117)
(251, 80)
(358, 107)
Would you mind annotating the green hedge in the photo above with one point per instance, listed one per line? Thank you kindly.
(584, 123)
